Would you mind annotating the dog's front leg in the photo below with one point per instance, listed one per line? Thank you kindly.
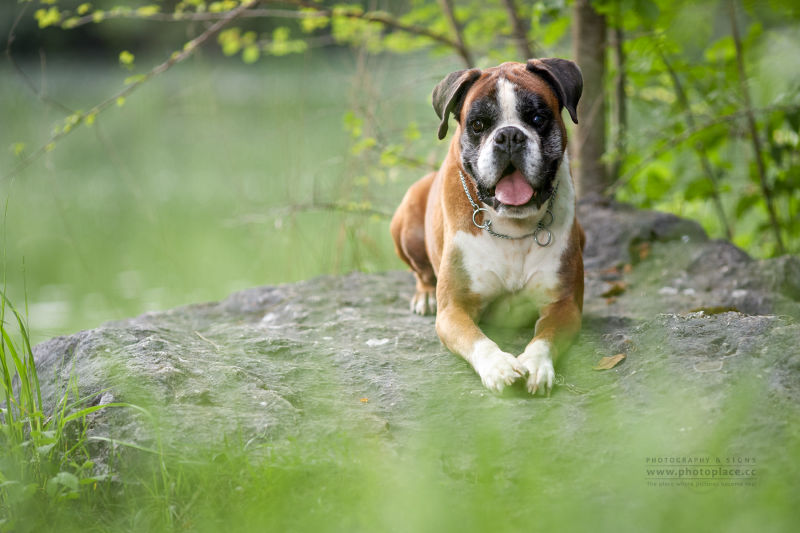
(556, 328)
(455, 324)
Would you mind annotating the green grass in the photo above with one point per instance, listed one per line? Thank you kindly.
(44, 460)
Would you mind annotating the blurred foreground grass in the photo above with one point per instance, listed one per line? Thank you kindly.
(573, 462)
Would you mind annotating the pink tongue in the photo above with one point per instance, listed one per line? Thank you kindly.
(514, 189)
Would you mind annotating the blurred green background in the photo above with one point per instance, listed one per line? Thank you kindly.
(196, 187)
(284, 160)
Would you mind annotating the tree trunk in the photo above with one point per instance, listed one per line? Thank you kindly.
(588, 145)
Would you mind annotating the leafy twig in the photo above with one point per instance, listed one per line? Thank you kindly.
(188, 16)
(177, 57)
(386, 20)
(309, 10)
(28, 81)
(687, 134)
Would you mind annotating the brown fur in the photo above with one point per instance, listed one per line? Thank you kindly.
(436, 208)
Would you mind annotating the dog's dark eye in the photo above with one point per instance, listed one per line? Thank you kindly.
(477, 126)
(538, 121)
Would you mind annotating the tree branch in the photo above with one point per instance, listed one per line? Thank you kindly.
(334, 207)
(751, 124)
(190, 16)
(22, 74)
(463, 51)
(699, 149)
(519, 31)
(176, 58)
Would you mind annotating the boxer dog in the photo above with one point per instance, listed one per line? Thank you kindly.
(494, 232)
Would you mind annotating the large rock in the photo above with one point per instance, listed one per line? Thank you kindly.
(706, 329)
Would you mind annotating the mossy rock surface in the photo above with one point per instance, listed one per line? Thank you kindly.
(326, 371)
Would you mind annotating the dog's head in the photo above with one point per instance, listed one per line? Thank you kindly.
(512, 136)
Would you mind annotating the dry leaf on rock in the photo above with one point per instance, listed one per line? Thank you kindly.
(616, 288)
(607, 363)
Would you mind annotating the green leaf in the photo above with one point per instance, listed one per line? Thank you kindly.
(646, 10)
(70, 23)
(45, 449)
(62, 479)
(251, 53)
(230, 40)
(724, 50)
(282, 44)
(48, 435)
(47, 17)
(220, 7)
(657, 184)
(555, 30)
(352, 124)
(126, 58)
(311, 21)
(136, 78)
(148, 11)
(250, 37)
(699, 188)
(390, 156)
(412, 132)
(403, 42)
(746, 203)
(363, 144)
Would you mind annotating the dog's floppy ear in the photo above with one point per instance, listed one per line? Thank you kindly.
(565, 78)
(449, 94)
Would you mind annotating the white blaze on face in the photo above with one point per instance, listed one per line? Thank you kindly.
(487, 166)
(507, 100)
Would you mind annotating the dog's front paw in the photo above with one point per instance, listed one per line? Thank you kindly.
(539, 366)
(424, 302)
(495, 367)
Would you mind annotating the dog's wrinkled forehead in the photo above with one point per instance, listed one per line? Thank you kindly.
(500, 89)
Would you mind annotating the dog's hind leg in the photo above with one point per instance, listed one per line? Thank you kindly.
(408, 232)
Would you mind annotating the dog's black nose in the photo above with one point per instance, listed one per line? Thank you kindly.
(509, 139)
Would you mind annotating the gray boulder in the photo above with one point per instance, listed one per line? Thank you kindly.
(706, 330)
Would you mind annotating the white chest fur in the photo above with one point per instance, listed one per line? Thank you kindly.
(518, 276)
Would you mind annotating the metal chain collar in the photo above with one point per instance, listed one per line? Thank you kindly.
(540, 226)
